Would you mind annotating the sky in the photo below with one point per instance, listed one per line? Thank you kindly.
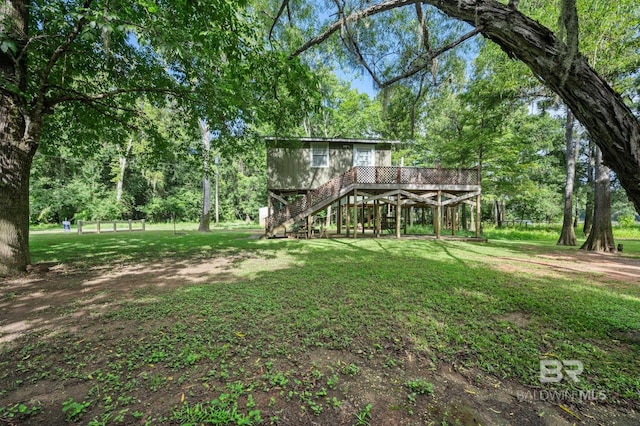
(363, 83)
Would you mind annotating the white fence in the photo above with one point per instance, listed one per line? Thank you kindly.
(110, 226)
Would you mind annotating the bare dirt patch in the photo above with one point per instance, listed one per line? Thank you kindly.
(603, 266)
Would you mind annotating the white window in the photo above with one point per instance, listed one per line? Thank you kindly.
(319, 155)
(363, 155)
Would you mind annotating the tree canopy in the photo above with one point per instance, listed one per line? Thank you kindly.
(552, 57)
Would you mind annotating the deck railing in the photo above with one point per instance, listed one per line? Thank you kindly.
(373, 175)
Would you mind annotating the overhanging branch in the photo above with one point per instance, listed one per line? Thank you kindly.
(283, 6)
(427, 61)
(354, 17)
(75, 96)
(344, 21)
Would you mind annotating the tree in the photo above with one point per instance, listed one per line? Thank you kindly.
(602, 111)
(205, 217)
(588, 213)
(601, 235)
(91, 60)
(568, 235)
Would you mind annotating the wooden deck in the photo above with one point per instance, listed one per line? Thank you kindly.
(372, 187)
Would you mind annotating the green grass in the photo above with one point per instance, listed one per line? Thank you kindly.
(126, 247)
(366, 301)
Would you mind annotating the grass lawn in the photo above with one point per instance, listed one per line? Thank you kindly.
(224, 328)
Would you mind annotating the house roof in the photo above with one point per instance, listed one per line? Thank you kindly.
(336, 140)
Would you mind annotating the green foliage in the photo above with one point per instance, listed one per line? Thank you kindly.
(182, 206)
(627, 220)
(220, 411)
(74, 410)
(18, 411)
(419, 386)
(364, 415)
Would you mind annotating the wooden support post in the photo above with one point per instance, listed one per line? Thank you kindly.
(348, 216)
(369, 225)
(478, 215)
(130, 226)
(115, 226)
(79, 227)
(422, 210)
(309, 225)
(398, 213)
(269, 210)
(437, 217)
(362, 215)
(98, 223)
(339, 216)
(406, 217)
(143, 224)
(355, 213)
(376, 215)
(454, 211)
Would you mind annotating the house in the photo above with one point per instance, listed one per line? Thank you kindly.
(355, 177)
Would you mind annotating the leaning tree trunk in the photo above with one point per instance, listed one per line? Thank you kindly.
(601, 235)
(595, 104)
(588, 213)
(601, 110)
(568, 235)
(205, 218)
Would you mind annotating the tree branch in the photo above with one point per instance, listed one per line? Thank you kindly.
(75, 96)
(354, 17)
(343, 24)
(416, 69)
(283, 6)
(77, 28)
(424, 26)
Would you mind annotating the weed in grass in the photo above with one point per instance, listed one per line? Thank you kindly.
(390, 362)
(220, 411)
(276, 379)
(332, 381)
(18, 411)
(335, 402)
(420, 386)
(350, 370)
(364, 416)
(73, 410)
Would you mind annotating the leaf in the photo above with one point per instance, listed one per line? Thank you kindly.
(8, 45)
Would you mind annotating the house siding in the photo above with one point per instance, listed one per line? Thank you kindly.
(289, 164)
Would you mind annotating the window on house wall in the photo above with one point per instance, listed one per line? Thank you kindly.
(319, 155)
(363, 155)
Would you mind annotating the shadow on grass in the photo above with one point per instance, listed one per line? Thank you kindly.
(171, 301)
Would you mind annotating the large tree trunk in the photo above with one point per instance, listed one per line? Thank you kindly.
(205, 217)
(19, 137)
(588, 213)
(14, 193)
(568, 235)
(596, 105)
(601, 235)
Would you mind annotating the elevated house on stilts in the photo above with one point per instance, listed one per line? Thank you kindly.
(352, 180)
